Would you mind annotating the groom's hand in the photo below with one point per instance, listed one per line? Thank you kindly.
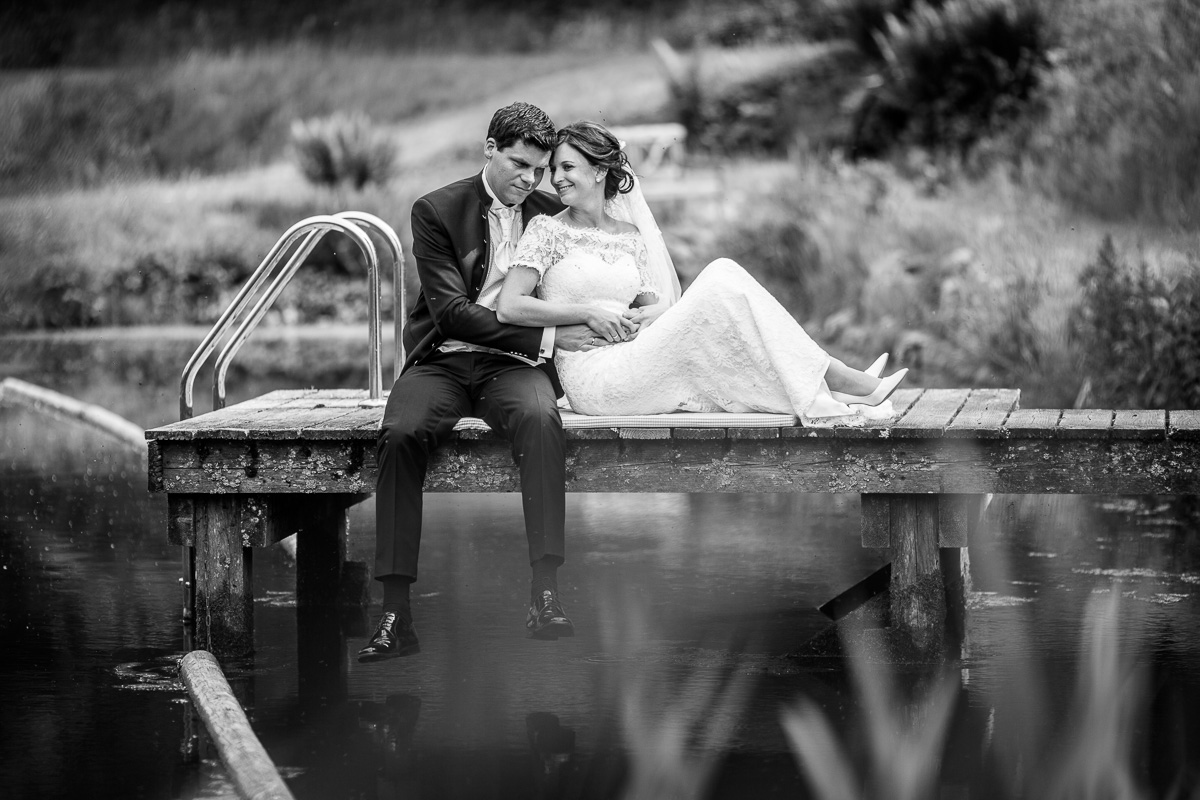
(574, 338)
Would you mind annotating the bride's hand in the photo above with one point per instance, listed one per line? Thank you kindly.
(644, 315)
(609, 325)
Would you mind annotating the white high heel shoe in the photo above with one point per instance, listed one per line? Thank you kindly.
(882, 391)
(876, 368)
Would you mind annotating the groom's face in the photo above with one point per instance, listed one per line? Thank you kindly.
(514, 172)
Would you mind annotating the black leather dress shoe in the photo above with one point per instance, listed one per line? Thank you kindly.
(547, 619)
(393, 638)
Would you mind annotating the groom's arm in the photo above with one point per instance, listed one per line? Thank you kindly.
(454, 314)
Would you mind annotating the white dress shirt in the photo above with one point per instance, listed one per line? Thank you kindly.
(504, 230)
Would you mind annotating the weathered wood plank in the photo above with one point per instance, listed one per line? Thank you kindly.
(902, 401)
(1139, 424)
(931, 414)
(753, 433)
(644, 433)
(876, 520)
(302, 423)
(908, 466)
(954, 512)
(236, 421)
(1085, 423)
(1033, 423)
(224, 602)
(697, 433)
(592, 434)
(984, 413)
(1183, 425)
(918, 600)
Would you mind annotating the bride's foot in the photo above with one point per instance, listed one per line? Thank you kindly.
(876, 368)
(882, 391)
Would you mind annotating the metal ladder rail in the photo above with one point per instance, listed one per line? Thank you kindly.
(281, 281)
(374, 293)
(310, 230)
(399, 292)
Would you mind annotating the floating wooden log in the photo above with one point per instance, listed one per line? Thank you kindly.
(18, 392)
(252, 771)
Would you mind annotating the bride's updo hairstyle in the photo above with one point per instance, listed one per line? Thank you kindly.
(603, 151)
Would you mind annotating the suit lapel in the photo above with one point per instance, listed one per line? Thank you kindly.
(482, 237)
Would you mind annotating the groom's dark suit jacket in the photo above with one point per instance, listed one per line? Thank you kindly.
(451, 247)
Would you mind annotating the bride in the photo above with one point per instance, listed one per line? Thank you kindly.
(724, 345)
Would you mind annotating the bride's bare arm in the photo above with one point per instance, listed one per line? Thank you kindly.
(518, 306)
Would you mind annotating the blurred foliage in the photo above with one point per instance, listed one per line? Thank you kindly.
(953, 75)
(1140, 333)
(159, 290)
(796, 106)
(108, 32)
(343, 150)
(865, 22)
(1120, 140)
(213, 113)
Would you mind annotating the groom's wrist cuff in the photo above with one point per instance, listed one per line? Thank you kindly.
(547, 348)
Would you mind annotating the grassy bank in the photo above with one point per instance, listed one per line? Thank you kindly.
(968, 277)
(975, 282)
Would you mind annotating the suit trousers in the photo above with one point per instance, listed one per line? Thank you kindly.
(515, 399)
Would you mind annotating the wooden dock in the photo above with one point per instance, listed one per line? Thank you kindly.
(294, 461)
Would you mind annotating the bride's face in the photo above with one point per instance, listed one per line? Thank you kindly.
(576, 181)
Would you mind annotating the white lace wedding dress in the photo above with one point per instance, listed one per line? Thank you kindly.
(726, 345)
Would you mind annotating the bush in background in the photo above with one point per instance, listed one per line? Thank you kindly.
(1140, 334)
(216, 113)
(1120, 140)
(793, 106)
(864, 22)
(343, 150)
(953, 75)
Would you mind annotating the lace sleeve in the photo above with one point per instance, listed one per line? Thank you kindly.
(540, 247)
(646, 280)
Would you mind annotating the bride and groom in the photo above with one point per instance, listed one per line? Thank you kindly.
(525, 296)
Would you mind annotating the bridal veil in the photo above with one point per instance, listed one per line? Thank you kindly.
(632, 207)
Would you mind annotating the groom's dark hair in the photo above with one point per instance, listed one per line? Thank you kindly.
(522, 122)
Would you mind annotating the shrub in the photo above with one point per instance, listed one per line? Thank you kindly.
(864, 22)
(1119, 140)
(1139, 333)
(343, 150)
(954, 75)
(770, 113)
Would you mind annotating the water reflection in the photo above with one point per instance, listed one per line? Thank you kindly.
(681, 602)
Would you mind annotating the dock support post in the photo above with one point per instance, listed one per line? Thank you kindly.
(324, 579)
(928, 537)
(224, 598)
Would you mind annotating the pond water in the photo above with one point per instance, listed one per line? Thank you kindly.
(687, 607)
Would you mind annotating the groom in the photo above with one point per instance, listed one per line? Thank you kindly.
(463, 362)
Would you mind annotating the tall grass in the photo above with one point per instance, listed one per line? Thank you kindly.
(1118, 141)
(1089, 756)
(219, 112)
(1138, 329)
(969, 282)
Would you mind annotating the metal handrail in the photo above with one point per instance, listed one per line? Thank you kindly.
(308, 232)
(399, 293)
(321, 226)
